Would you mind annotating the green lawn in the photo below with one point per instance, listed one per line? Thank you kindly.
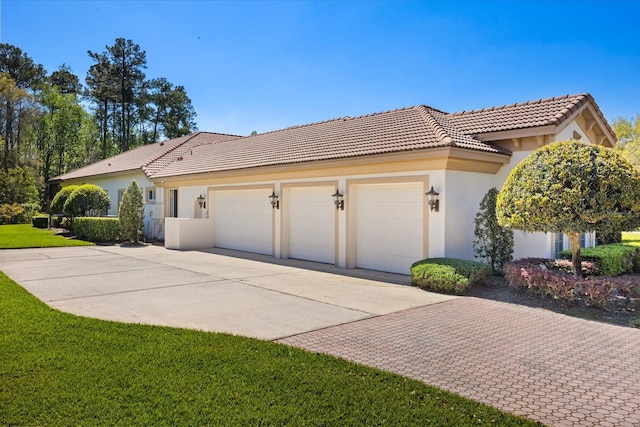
(27, 236)
(631, 238)
(57, 369)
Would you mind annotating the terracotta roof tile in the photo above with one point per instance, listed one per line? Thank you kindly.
(160, 154)
(542, 112)
(405, 129)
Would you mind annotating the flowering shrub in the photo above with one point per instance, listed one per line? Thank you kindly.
(541, 277)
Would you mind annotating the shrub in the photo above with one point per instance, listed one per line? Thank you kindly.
(449, 279)
(87, 200)
(17, 185)
(40, 221)
(439, 278)
(57, 204)
(131, 213)
(96, 229)
(539, 277)
(493, 243)
(11, 213)
(611, 260)
(476, 272)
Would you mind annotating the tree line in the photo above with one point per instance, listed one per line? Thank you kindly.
(51, 123)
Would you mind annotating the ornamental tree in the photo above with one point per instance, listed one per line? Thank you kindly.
(493, 243)
(573, 188)
(131, 213)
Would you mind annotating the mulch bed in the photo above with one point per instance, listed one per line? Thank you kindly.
(498, 290)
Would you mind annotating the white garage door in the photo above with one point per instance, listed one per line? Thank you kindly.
(243, 220)
(312, 224)
(389, 226)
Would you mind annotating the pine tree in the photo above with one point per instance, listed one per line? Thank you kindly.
(493, 243)
(131, 214)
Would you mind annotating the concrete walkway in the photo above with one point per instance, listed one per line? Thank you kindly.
(545, 366)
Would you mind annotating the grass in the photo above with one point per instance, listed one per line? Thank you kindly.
(27, 236)
(58, 369)
(631, 238)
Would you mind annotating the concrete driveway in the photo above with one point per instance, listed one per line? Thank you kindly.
(252, 295)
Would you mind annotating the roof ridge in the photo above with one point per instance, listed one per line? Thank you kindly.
(435, 126)
(580, 97)
(164, 153)
(345, 118)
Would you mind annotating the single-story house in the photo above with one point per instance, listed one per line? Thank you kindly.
(357, 192)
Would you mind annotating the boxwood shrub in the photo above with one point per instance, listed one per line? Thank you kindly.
(611, 260)
(97, 229)
(448, 275)
(40, 221)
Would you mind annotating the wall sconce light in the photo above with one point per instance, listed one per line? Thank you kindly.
(201, 201)
(434, 203)
(274, 200)
(338, 199)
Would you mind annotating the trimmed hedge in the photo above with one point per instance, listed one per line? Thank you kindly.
(541, 277)
(97, 229)
(40, 221)
(449, 275)
(611, 260)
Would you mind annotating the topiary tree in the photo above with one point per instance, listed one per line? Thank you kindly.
(131, 213)
(573, 188)
(493, 243)
(57, 204)
(86, 200)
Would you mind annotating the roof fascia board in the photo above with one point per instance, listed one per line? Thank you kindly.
(101, 175)
(517, 133)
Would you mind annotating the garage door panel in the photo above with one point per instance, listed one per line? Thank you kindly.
(312, 224)
(243, 221)
(389, 226)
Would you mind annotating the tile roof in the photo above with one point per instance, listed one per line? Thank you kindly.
(399, 130)
(150, 156)
(542, 112)
(406, 129)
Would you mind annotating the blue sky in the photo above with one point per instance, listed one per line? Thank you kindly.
(263, 65)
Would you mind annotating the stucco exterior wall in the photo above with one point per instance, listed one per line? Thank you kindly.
(462, 195)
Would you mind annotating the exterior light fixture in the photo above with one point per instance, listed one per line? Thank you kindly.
(338, 199)
(201, 201)
(434, 203)
(274, 200)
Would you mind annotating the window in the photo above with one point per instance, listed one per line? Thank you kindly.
(151, 194)
(173, 203)
(558, 245)
(120, 195)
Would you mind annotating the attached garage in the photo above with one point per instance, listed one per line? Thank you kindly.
(243, 220)
(310, 220)
(387, 225)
